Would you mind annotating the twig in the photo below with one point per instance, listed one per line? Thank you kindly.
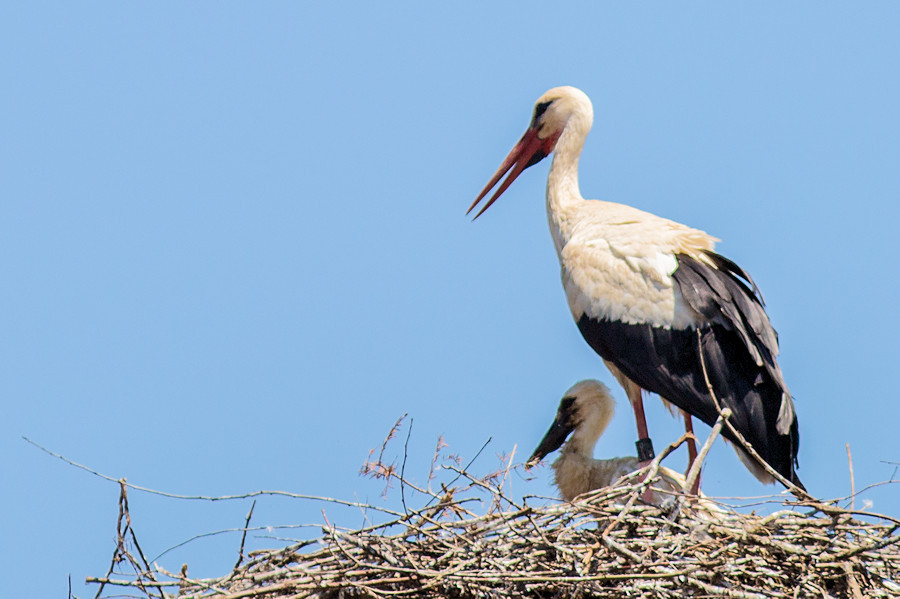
(210, 497)
(698, 462)
(509, 462)
(466, 467)
(497, 494)
(403, 467)
(214, 533)
(244, 536)
(104, 580)
(437, 450)
(144, 565)
(852, 482)
(120, 541)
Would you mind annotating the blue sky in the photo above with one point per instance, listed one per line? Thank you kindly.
(234, 244)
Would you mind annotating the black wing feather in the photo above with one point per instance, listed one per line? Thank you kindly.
(737, 344)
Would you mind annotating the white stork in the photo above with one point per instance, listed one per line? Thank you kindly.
(584, 413)
(652, 298)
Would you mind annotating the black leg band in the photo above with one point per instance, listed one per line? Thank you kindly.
(645, 449)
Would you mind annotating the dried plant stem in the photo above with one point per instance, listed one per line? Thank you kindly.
(852, 483)
(244, 536)
(698, 462)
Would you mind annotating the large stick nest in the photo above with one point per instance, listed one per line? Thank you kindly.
(605, 544)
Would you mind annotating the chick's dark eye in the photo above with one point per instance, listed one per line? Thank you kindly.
(565, 406)
(540, 109)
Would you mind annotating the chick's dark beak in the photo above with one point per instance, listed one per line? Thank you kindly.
(555, 437)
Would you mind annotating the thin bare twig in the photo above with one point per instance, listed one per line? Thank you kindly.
(403, 467)
(852, 482)
(214, 497)
(698, 461)
(244, 536)
(437, 450)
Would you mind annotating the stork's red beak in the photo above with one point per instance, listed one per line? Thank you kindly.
(530, 150)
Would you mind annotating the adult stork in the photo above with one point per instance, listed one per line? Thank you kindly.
(665, 312)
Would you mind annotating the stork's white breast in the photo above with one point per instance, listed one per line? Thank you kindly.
(617, 264)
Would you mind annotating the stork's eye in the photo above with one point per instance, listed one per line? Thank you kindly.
(565, 406)
(540, 109)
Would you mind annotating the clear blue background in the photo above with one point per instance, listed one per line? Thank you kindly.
(234, 251)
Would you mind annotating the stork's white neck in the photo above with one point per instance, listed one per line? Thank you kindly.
(583, 440)
(563, 195)
(594, 414)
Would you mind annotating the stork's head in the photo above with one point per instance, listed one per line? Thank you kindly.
(586, 409)
(552, 115)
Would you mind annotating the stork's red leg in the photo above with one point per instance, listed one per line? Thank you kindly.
(644, 446)
(639, 417)
(692, 444)
(692, 449)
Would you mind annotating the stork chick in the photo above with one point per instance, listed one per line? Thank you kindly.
(584, 413)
